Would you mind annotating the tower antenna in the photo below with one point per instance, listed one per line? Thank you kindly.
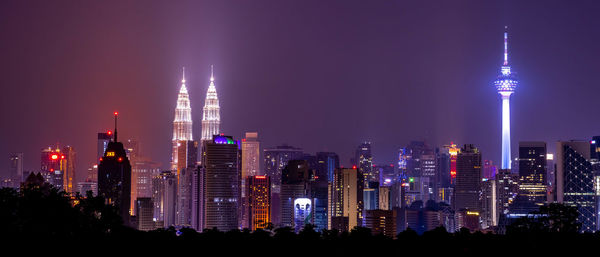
(116, 115)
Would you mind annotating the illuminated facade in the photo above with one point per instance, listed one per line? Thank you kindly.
(259, 201)
(468, 179)
(69, 168)
(295, 183)
(211, 118)
(182, 124)
(275, 160)
(53, 166)
(347, 199)
(532, 172)
(506, 84)
(221, 160)
(302, 213)
(364, 162)
(575, 181)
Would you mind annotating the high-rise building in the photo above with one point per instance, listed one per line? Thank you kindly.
(327, 162)
(221, 160)
(250, 155)
(507, 188)
(164, 199)
(295, 183)
(259, 202)
(347, 199)
(53, 165)
(69, 175)
(211, 117)
(468, 179)
(364, 161)
(275, 160)
(198, 200)
(506, 84)
(103, 139)
(381, 222)
(114, 177)
(575, 181)
(250, 167)
(187, 157)
(142, 172)
(488, 203)
(144, 212)
(182, 124)
(489, 169)
(532, 172)
(15, 168)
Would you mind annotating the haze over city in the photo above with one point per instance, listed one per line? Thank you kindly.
(322, 76)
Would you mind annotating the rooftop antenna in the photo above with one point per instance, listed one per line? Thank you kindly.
(116, 115)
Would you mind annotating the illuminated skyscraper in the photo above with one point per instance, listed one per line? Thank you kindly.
(468, 179)
(221, 160)
(364, 161)
(15, 169)
(259, 201)
(182, 125)
(250, 167)
(114, 177)
(575, 181)
(69, 168)
(103, 139)
(211, 118)
(53, 165)
(506, 84)
(275, 160)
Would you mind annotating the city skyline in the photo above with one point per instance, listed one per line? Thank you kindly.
(273, 99)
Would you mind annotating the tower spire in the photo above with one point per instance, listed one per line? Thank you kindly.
(212, 77)
(505, 45)
(115, 138)
(183, 76)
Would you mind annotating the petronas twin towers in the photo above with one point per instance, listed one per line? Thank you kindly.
(182, 124)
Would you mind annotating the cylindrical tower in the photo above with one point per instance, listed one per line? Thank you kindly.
(505, 84)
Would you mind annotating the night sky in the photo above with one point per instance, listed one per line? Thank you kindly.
(320, 75)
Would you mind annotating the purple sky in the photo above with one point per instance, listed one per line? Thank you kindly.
(320, 75)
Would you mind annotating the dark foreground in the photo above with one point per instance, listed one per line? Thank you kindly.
(42, 219)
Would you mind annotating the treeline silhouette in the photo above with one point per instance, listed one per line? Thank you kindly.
(42, 213)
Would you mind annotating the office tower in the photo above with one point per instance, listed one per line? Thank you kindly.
(103, 140)
(488, 203)
(69, 168)
(468, 219)
(198, 200)
(386, 174)
(187, 157)
(468, 179)
(275, 160)
(453, 150)
(371, 198)
(15, 168)
(142, 172)
(114, 177)
(92, 173)
(250, 155)
(575, 181)
(250, 167)
(144, 209)
(347, 199)
(221, 160)
(319, 194)
(132, 149)
(489, 169)
(296, 178)
(532, 172)
(506, 84)
(364, 162)
(53, 164)
(302, 213)
(418, 160)
(259, 202)
(327, 162)
(381, 222)
(182, 124)
(211, 117)
(384, 198)
(164, 199)
(507, 188)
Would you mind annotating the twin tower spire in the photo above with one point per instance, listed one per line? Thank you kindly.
(182, 124)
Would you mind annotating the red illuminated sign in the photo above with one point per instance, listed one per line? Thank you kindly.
(54, 156)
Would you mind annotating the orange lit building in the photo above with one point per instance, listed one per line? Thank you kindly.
(259, 201)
